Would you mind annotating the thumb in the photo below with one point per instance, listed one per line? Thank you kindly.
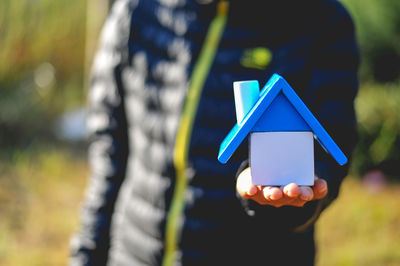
(244, 186)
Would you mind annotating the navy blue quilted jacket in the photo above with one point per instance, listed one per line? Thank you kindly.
(136, 210)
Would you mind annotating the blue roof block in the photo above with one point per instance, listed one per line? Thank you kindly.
(278, 108)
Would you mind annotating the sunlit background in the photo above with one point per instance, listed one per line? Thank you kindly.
(46, 47)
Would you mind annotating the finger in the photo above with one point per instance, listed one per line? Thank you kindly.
(252, 190)
(292, 190)
(320, 188)
(307, 193)
(244, 186)
(272, 193)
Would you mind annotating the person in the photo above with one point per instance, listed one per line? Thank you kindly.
(161, 102)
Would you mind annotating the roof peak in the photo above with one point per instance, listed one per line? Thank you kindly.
(268, 94)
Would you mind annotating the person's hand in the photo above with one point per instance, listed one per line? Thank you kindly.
(289, 195)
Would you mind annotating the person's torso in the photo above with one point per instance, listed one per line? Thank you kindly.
(166, 40)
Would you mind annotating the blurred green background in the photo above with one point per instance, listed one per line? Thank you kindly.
(46, 48)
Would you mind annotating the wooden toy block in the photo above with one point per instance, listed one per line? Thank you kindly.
(281, 130)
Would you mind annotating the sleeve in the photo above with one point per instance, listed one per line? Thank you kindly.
(332, 87)
(108, 142)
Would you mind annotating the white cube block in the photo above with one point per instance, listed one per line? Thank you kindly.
(280, 158)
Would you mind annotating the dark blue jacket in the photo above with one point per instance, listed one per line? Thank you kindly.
(141, 75)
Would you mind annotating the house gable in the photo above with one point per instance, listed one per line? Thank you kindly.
(280, 116)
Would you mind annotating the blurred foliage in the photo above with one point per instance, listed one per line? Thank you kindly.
(378, 31)
(378, 112)
(41, 190)
(361, 228)
(41, 65)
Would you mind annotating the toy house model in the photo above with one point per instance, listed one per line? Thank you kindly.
(282, 131)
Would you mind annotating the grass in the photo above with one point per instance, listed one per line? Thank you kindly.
(361, 227)
(40, 196)
(41, 192)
